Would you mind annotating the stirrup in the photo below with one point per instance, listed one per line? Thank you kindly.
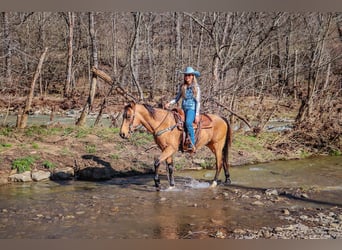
(191, 148)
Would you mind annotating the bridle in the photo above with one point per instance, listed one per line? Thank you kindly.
(131, 128)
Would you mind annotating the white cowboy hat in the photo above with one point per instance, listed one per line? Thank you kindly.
(190, 70)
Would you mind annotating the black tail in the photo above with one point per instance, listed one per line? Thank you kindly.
(228, 143)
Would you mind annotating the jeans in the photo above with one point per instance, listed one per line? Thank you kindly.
(189, 119)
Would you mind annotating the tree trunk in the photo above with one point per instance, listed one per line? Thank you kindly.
(114, 47)
(71, 22)
(7, 49)
(94, 62)
(134, 49)
(22, 118)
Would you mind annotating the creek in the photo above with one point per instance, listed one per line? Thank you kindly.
(130, 208)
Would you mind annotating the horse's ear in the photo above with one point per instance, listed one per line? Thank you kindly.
(132, 104)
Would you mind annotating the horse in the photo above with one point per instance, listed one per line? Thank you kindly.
(161, 123)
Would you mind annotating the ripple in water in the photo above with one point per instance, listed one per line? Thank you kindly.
(196, 184)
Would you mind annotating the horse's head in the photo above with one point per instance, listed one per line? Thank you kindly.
(129, 121)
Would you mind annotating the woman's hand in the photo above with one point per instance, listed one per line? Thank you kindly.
(197, 119)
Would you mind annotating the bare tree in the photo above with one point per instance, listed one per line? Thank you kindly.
(318, 37)
(22, 118)
(7, 48)
(134, 54)
(70, 20)
(94, 62)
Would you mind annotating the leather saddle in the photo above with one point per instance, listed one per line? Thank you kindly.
(204, 123)
(205, 120)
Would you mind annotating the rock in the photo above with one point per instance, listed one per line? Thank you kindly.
(40, 175)
(95, 173)
(220, 235)
(258, 197)
(66, 173)
(305, 196)
(270, 192)
(304, 217)
(286, 211)
(23, 177)
(239, 231)
(257, 203)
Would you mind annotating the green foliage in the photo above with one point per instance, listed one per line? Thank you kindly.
(335, 152)
(304, 153)
(139, 139)
(83, 132)
(115, 156)
(208, 163)
(91, 149)
(6, 131)
(23, 164)
(66, 151)
(68, 131)
(107, 133)
(35, 145)
(48, 164)
(5, 145)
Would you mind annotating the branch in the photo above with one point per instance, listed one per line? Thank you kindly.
(232, 112)
(105, 77)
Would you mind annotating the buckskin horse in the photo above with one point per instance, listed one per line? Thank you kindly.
(163, 125)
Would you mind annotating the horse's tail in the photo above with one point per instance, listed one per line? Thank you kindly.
(228, 142)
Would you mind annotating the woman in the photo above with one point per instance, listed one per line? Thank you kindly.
(191, 94)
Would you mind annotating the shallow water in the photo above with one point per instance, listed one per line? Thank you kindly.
(130, 208)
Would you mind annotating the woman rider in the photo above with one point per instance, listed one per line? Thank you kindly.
(191, 94)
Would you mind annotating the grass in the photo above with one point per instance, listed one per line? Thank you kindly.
(23, 164)
(5, 145)
(90, 149)
(114, 156)
(141, 138)
(49, 165)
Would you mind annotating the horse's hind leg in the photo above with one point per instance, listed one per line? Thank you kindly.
(226, 172)
(218, 155)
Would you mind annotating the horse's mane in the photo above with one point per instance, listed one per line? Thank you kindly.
(151, 110)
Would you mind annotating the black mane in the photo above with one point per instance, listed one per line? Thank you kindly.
(151, 110)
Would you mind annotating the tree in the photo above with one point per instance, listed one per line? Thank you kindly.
(134, 54)
(7, 48)
(22, 118)
(94, 63)
(70, 20)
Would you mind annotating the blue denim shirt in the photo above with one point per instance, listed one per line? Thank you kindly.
(189, 101)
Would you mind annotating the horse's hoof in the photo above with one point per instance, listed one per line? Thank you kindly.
(228, 182)
(213, 185)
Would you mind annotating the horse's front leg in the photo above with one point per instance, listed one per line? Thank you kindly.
(166, 154)
(169, 169)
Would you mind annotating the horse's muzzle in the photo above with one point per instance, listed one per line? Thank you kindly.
(123, 135)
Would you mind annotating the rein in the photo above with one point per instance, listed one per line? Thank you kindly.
(131, 128)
